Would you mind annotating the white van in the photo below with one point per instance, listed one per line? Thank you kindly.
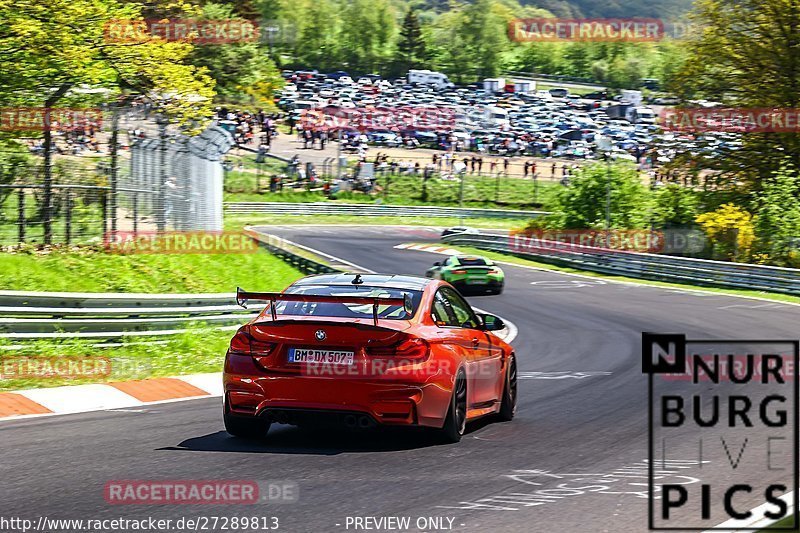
(428, 77)
(497, 116)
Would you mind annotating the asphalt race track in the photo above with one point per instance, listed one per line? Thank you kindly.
(582, 420)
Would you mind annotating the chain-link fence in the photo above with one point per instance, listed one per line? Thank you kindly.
(136, 173)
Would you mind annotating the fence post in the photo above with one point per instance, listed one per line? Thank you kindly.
(135, 214)
(104, 205)
(21, 208)
(161, 214)
(114, 167)
(68, 217)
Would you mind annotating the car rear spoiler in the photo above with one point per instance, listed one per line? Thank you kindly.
(242, 297)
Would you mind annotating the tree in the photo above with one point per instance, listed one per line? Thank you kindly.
(777, 225)
(748, 55)
(240, 70)
(582, 204)
(411, 49)
(366, 35)
(51, 48)
(473, 38)
(675, 205)
(318, 43)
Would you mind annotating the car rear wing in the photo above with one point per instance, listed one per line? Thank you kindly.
(242, 297)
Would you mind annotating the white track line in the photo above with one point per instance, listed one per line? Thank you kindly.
(757, 520)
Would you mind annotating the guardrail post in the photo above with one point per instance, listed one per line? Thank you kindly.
(21, 214)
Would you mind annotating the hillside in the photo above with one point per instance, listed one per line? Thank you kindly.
(667, 9)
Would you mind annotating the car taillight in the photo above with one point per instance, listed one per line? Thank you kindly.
(411, 349)
(243, 343)
(459, 272)
(493, 271)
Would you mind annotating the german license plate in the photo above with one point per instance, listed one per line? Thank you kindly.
(314, 356)
(476, 282)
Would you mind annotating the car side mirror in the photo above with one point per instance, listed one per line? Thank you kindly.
(492, 322)
(437, 263)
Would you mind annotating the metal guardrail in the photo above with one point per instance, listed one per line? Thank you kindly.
(331, 208)
(640, 265)
(48, 314)
(37, 315)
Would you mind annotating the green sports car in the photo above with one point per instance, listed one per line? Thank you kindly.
(469, 273)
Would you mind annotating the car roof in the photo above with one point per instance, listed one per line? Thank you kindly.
(473, 256)
(390, 281)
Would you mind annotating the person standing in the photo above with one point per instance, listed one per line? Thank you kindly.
(505, 166)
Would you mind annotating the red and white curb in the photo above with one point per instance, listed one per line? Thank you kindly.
(433, 248)
(102, 396)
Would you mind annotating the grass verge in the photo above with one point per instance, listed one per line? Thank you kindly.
(236, 222)
(789, 521)
(36, 364)
(479, 191)
(88, 270)
(93, 270)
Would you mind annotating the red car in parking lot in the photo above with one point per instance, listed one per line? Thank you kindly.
(365, 351)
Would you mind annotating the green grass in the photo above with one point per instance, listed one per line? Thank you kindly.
(196, 351)
(90, 270)
(786, 522)
(236, 222)
(479, 191)
(546, 266)
(86, 224)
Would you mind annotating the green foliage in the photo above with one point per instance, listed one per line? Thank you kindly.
(582, 204)
(241, 71)
(746, 55)
(49, 48)
(777, 225)
(675, 205)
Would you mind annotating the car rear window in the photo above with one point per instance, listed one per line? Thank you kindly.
(472, 261)
(391, 312)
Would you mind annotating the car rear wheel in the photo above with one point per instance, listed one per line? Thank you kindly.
(245, 427)
(508, 407)
(456, 420)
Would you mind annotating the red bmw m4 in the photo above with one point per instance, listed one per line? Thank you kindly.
(365, 351)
